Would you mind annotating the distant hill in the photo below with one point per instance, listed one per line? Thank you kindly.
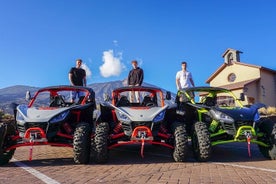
(16, 94)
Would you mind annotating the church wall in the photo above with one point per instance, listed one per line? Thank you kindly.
(267, 88)
(233, 71)
(242, 73)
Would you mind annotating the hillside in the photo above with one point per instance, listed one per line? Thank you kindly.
(16, 94)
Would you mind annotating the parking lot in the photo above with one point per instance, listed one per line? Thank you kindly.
(229, 164)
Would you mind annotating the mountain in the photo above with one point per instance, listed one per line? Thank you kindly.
(16, 94)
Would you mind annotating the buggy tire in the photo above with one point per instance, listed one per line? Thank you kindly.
(81, 143)
(6, 131)
(93, 149)
(100, 149)
(180, 142)
(268, 127)
(201, 142)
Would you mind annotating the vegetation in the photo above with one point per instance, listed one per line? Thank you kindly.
(269, 111)
(5, 117)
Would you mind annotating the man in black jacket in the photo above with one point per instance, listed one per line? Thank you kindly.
(77, 77)
(135, 78)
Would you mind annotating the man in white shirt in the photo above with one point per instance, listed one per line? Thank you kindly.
(184, 78)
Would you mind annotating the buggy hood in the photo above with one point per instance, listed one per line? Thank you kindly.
(239, 113)
(35, 114)
(243, 113)
(141, 113)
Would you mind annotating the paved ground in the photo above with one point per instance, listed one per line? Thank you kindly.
(229, 164)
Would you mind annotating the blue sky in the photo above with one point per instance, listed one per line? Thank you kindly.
(40, 40)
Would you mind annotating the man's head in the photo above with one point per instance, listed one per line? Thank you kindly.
(184, 65)
(134, 64)
(78, 63)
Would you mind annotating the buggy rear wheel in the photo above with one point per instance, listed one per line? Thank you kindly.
(81, 143)
(100, 150)
(201, 141)
(269, 129)
(180, 142)
(6, 131)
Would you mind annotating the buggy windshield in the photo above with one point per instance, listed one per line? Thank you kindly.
(212, 97)
(138, 97)
(55, 97)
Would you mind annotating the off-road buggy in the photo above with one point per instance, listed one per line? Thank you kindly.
(51, 118)
(138, 115)
(216, 116)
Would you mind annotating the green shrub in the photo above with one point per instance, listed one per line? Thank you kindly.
(5, 117)
(267, 111)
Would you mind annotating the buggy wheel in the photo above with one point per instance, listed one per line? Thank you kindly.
(81, 143)
(100, 149)
(201, 141)
(180, 142)
(6, 131)
(268, 128)
(93, 149)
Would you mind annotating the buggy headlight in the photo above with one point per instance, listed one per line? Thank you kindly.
(159, 117)
(19, 116)
(123, 117)
(21, 110)
(222, 117)
(59, 117)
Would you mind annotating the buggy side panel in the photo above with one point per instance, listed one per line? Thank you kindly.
(107, 114)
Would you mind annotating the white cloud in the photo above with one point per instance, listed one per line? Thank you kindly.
(115, 43)
(112, 65)
(87, 70)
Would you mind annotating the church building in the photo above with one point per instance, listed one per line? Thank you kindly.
(257, 83)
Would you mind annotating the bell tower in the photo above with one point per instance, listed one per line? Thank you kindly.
(231, 55)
